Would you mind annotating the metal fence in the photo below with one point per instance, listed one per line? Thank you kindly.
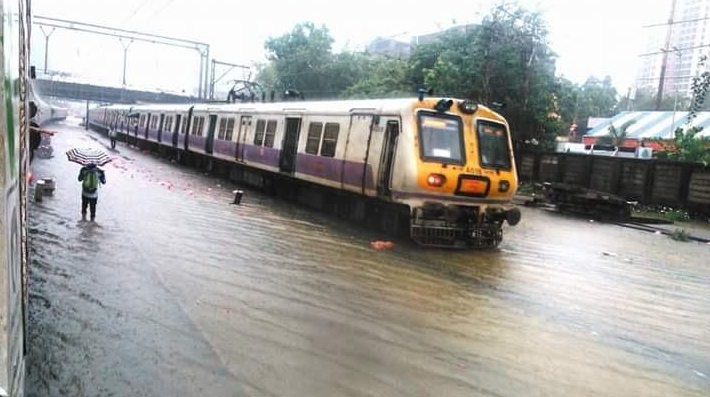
(662, 182)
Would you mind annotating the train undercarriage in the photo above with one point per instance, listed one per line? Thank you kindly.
(456, 226)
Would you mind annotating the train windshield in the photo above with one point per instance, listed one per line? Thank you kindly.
(493, 145)
(441, 138)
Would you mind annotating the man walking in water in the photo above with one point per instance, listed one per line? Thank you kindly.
(90, 176)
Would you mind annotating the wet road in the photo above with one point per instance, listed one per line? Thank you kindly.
(175, 292)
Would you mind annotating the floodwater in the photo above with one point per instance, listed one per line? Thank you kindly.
(173, 291)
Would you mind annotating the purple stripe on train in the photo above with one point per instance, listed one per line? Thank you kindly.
(224, 148)
(262, 155)
(330, 169)
(197, 143)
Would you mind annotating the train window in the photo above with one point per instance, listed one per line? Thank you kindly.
(493, 145)
(142, 120)
(184, 126)
(314, 134)
(259, 134)
(230, 129)
(330, 139)
(197, 123)
(168, 123)
(154, 122)
(441, 138)
(200, 124)
(270, 133)
(222, 129)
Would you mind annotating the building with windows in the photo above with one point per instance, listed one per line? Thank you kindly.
(690, 39)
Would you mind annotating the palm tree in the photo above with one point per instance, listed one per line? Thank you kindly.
(616, 137)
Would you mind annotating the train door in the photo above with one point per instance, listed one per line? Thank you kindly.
(289, 148)
(188, 125)
(209, 144)
(178, 118)
(389, 145)
(135, 127)
(147, 125)
(355, 178)
(160, 127)
(373, 155)
(244, 124)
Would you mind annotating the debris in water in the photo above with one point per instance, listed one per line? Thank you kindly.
(609, 254)
(381, 245)
(700, 374)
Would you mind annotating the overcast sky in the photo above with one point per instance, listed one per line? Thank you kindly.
(591, 37)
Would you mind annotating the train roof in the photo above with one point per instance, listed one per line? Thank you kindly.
(335, 107)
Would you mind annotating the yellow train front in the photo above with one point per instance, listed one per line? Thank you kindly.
(456, 172)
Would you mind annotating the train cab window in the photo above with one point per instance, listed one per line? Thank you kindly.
(314, 134)
(493, 145)
(270, 133)
(230, 129)
(259, 133)
(441, 138)
(330, 139)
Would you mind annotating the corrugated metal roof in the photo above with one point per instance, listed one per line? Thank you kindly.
(655, 125)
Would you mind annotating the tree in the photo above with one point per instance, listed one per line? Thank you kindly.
(616, 137)
(689, 145)
(645, 100)
(302, 59)
(387, 78)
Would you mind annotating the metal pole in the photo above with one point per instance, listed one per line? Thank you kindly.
(125, 58)
(212, 82)
(207, 69)
(675, 101)
(87, 116)
(199, 87)
(659, 96)
(46, 46)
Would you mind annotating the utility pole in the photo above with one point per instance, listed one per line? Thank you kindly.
(125, 57)
(659, 96)
(46, 45)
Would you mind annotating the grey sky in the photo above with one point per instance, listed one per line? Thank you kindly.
(591, 37)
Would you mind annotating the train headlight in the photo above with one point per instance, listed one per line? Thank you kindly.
(468, 106)
(436, 180)
(503, 186)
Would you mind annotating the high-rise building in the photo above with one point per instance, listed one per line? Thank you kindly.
(689, 40)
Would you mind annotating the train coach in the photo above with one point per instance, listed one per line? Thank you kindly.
(437, 169)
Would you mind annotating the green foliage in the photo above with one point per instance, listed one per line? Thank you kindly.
(689, 146)
(680, 235)
(675, 214)
(616, 136)
(506, 58)
(385, 78)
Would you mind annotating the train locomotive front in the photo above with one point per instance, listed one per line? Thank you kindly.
(460, 178)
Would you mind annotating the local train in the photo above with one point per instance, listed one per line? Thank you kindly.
(440, 170)
(15, 96)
